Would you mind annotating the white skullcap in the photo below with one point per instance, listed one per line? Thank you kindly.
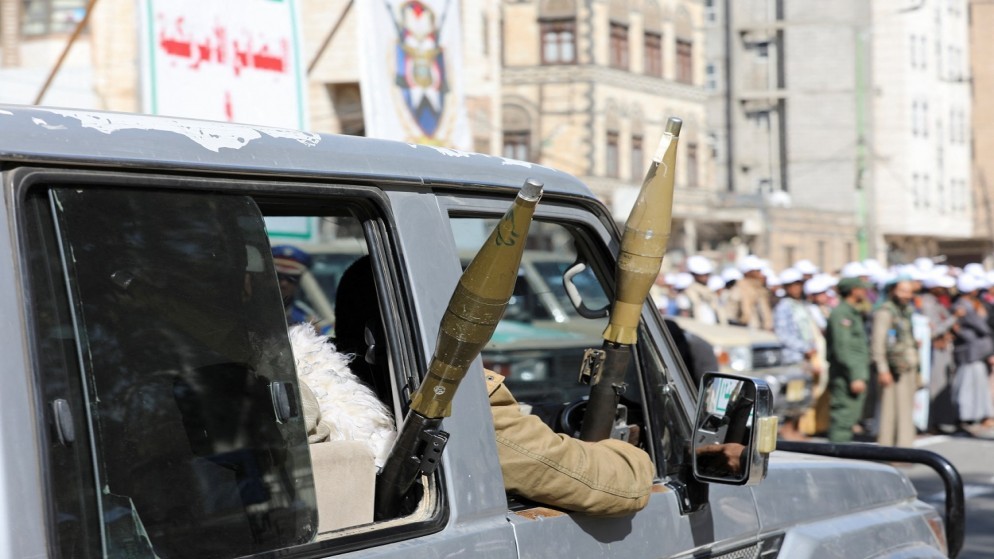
(939, 280)
(872, 266)
(751, 263)
(699, 265)
(682, 281)
(968, 283)
(791, 275)
(912, 272)
(854, 270)
(715, 283)
(669, 278)
(731, 274)
(773, 281)
(817, 284)
(924, 264)
(975, 269)
(806, 267)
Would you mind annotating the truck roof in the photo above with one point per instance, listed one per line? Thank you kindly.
(40, 134)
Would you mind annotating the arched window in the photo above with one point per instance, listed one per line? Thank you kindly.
(517, 133)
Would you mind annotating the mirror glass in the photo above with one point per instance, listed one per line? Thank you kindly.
(723, 437)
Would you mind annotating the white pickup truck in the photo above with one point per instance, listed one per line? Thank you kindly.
(150, 407)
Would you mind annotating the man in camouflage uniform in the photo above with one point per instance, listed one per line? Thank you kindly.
(895, 354)
(849, 360)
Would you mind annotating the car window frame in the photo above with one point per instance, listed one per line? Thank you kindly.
(601, 237)
(373, 210)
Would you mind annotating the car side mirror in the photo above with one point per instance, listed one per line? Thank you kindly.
(573, 292)
(736, 430)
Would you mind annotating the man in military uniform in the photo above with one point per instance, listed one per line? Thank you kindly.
(291, 264)
(895, 354)
(849, 360)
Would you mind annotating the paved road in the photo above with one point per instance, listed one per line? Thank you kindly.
(974, 458)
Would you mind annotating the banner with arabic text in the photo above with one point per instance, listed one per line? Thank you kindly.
(228, 60)
(411, 72)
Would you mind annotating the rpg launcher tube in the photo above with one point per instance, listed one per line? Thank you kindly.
(476, 306)
(643, 244)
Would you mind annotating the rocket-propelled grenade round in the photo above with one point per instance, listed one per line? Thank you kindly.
(643, 243)
(477, 305)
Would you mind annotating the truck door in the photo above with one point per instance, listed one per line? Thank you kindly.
(538, 347)
(169, 406)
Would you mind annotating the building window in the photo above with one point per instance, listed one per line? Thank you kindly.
(654, 54)
(914, 118)
(924, 52)
(915, 187)
(611, 157)
(684, 61)
(619, 46)
(44, 17)
(821, 254)
(914, 51)
(710, 13)
(710, 77)
(926, 194)
(558, 41)
(638, 155)
(692, 176)
(517, 145)
(925, 119)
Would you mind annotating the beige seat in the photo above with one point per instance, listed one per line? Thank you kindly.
(345, 482)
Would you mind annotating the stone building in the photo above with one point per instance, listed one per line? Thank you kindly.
(588, 86)
(102, 70)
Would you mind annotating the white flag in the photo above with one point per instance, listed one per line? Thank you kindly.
(411, 72)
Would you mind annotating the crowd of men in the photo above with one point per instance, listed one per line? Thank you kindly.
(870, 337)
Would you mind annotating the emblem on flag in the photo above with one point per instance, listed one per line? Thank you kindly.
(420, 70)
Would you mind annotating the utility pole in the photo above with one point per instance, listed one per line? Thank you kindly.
(863, 216)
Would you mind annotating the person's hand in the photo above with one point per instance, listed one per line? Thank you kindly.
(885, 378)
(960, 312)
(857, 387)
(723, 457)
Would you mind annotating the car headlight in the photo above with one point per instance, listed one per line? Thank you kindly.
(740, 358)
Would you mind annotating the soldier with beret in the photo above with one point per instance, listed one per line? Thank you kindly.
(291, 264)
(849, 359)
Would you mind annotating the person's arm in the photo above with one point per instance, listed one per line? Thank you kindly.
(939, 326)
(882, 322)
(607, 478)
(787, 329)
